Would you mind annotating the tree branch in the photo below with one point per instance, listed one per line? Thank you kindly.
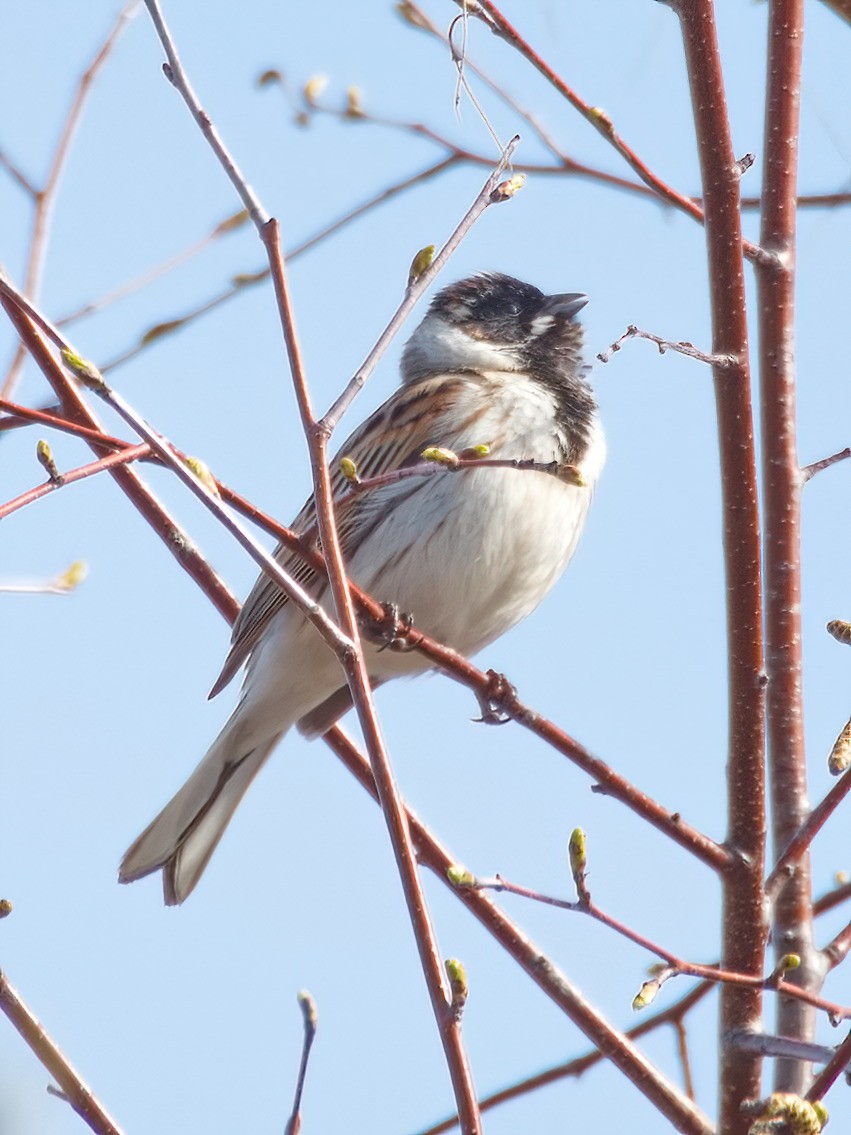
(744, 931)
(78, 1094)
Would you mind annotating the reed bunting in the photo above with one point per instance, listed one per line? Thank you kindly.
(470, 553)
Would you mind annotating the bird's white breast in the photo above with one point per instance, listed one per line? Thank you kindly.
(471, 553)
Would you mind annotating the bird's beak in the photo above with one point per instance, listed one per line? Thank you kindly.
(566, 304)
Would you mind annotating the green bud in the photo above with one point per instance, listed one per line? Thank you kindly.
(421, 262)
(459, 876)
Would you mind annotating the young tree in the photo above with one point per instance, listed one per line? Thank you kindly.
(683, 601)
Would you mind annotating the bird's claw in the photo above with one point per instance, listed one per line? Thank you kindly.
(494, 700)
(391, 629)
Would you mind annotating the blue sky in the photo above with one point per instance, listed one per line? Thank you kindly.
(187, 1019)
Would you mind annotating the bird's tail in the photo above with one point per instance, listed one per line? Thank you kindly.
(185, 834)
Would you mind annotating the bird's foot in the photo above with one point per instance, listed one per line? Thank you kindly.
(390, 629)
(494, 700)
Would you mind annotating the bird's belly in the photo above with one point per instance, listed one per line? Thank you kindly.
(472, 553)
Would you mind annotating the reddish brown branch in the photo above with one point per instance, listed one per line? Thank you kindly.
(744, 931)
(78, 1094)
(124, 457)
(604, 125)
(456, 666)
(612, 1043)
(799, 844)
(581, 1064)
(832, 899)
(836, 951)
(76, 409)
(831, 1072)
(792, 929)
(354, 666)
(677, 966)
(352, 660)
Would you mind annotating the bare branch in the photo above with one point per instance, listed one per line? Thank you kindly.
(828, 1076)
(352, 659)
(122, 457)
(682, 348)
(809, 471)
(74, 1089)
(579, 1065)
(800, 841)
(309, 1015)
(601, 122)
(45, 196)
(613, 1044)
(743, 892)
(487, 196)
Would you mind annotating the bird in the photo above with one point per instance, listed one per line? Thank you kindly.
(495, 364)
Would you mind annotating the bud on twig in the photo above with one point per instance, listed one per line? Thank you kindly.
(203, 474)
(440, 456)
(459, 876)
(73, 577)
(841, 630)
(509, 188)
(84, 371)
(313, 88)
(354, 109)
(349, 469)
(457, 985)
(783, 1111)
(840, 755)
(45, 458)
(646, 994)
(421, 262)
(308, 1010)
(576, 852)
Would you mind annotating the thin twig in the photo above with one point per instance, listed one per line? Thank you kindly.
(176, 75)
(677, 966)
(800, 842)
(358, 679)
(228, 225)
(74, 1089)
(42, 417)
(243, 281)
(836, 951)
(833, 898)
(18, 176)
(682, 348)
(460, 463)
(601, 122)
(486, 196)
(809, 471)
(165, 526)
(834, 1069)
(123, 457)
(611, 1042)
(579, 1065)
(45, 196)
(763, 1044)
(683, 1053)
(352, 658)
(309, 1018)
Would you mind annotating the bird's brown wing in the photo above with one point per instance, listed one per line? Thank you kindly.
(394, 436)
